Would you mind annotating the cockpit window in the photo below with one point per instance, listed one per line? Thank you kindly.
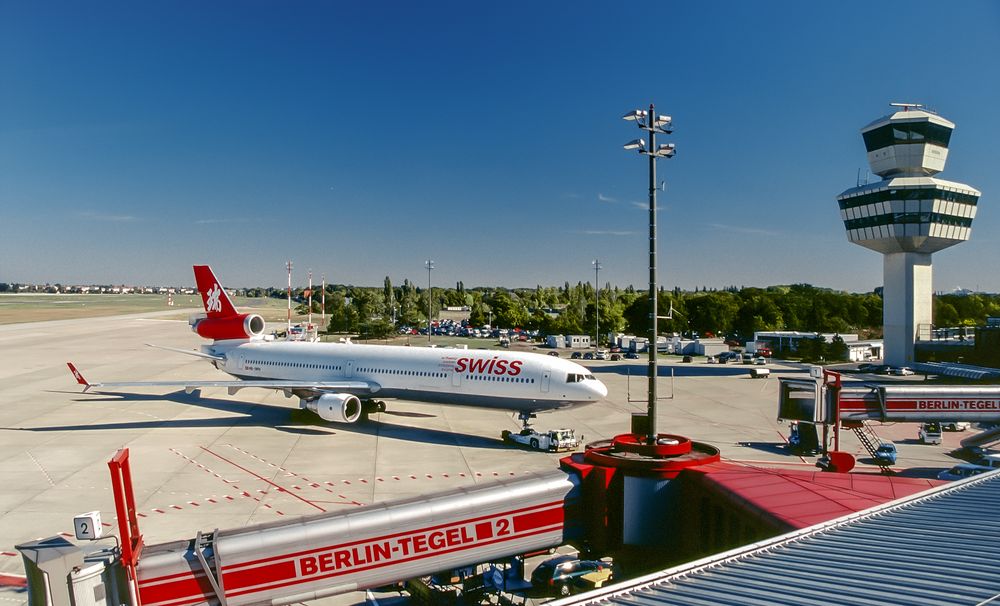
(577, 378)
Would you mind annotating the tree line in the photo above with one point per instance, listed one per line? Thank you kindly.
(570, 309)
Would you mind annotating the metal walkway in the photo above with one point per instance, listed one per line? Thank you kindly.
(937, 547)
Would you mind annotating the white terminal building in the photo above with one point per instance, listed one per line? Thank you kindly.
(907, 216)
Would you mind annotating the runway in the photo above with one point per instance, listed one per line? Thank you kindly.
(209, 460)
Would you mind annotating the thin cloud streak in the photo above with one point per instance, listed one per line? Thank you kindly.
(602, 232)
(92, 216)
(217, 221)
(602, 198)
(743, 230)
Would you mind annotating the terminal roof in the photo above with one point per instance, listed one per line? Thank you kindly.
(936, 547)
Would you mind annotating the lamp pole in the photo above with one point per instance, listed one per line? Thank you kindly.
(653, 124)
(289, 327)
(597, 303)
(429, 264)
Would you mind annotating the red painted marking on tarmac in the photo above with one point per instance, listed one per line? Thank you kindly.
(159, 511)
(65, 534)
(8, 553)
(105, 524)
(177, 507)
(211, 500)
(261, 478)
(13, 580)
(141, 515)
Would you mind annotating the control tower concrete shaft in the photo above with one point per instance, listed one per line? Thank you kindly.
(907, 216)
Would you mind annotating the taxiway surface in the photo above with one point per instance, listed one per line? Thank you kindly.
(211, 460)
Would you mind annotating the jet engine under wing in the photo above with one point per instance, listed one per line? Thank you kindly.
(318, 386)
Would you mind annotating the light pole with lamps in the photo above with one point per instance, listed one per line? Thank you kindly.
(653, 124)
(429, 264)
(597, 303)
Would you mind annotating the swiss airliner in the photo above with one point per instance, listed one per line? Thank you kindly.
(344, 382)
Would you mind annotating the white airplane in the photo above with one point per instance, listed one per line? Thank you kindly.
(340, 381)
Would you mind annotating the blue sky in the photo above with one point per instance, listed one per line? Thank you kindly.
(359, 139)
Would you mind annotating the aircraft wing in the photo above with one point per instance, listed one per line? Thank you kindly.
(233, 386)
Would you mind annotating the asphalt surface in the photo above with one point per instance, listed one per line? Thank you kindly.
(210, 460)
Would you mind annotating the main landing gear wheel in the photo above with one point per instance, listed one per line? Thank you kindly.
(525, 418)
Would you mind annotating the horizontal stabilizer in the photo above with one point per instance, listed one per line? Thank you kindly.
(189, 352)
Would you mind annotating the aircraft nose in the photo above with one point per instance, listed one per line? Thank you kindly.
(599, 389)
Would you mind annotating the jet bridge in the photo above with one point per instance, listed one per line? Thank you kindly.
(825, 400)
(818, 401)
(318, 556)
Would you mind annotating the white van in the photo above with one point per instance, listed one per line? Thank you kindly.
(930, 433)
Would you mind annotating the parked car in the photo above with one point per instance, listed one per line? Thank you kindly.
(566, 574)
(631, 355)
(885, 454)
(962, 471)
(760, 360)
(615, 357)
(554, 353)
(686, 359)
(991, 460)
(901, 371)
(956, 426)
(601, 355)
(588, 356)
(576, 355)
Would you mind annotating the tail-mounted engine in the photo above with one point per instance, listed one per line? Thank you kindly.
(241, 326)
(336, 407)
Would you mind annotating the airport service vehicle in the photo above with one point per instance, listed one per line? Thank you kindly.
(803, 439)
(930, 433)
(556, 440)
(566, 574)
(760, 361)
(956, 426)
(900, 372)
(341, 381)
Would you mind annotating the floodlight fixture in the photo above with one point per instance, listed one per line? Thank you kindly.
(665, 150)
(639, 144)
(662, 121)
(635, 114)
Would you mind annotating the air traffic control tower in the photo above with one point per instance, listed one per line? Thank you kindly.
(907, 216)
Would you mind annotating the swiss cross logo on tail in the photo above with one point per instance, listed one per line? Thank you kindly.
(212, 302)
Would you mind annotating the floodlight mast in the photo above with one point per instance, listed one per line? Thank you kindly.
(653, 124)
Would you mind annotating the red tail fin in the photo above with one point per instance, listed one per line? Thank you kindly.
(79, 377)
(216, 301)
